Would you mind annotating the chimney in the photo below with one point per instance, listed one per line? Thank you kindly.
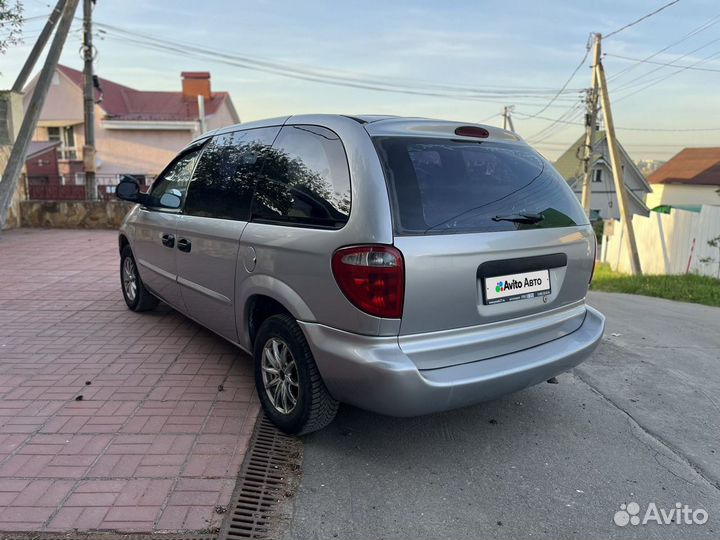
(195, 83)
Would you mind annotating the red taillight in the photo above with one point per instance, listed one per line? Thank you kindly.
(472, 131)
(372, 278)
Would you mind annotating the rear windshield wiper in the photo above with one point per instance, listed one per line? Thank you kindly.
(521, 218)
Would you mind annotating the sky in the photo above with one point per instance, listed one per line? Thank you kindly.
(483, 44)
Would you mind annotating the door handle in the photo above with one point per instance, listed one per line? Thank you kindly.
(168, 240)
(184, 245)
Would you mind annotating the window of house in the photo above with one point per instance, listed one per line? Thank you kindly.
(305, 180)
(69, 136)
(53, 133)
(69, 151)
(597, 176)
(66, 136)
(226, 173)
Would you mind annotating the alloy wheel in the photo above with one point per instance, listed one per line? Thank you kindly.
(129, 279)
(280, 375)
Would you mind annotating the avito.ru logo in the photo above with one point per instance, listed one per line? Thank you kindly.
(508, 285)
(682, 514)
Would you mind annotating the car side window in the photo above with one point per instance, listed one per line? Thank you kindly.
(225, 175)
(177, 175)
(305, 180)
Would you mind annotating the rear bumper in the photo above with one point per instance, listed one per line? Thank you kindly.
(373, 373)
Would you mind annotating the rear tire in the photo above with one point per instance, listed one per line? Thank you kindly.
(137, 297)
(291, 391)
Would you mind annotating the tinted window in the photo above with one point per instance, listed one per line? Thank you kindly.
(305, 180)
(176, 176)
(446, 185)
(225, 175)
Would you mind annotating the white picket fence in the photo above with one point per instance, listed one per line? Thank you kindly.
(667, 243)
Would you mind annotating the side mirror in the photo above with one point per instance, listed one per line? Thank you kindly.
(128, 189)
(171, 199)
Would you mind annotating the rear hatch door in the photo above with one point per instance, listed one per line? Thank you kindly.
(497, 250)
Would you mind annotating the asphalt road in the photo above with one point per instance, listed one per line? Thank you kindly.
(638, 422)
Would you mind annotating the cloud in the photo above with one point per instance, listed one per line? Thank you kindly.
(445, 44)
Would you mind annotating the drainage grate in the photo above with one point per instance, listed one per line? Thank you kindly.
(268, 480)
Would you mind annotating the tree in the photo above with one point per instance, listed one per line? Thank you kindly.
(713, 242)
(11, 19)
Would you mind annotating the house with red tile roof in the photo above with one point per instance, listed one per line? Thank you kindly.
(689, 180)
(137, 132)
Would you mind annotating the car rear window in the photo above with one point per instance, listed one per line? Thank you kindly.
(456, 186)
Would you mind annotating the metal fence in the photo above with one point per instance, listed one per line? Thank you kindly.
(49, 192)
(45, 192)
(76, 191)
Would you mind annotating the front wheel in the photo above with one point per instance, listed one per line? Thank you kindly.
(288, 383)
(137, 297)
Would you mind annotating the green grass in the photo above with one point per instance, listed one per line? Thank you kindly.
(685, 288)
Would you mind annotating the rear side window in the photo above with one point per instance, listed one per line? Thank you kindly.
(305, 180)
(225, 175)
(454, 186)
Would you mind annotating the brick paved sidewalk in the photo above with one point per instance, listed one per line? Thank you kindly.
(153, 444)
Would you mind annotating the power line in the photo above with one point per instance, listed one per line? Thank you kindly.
(665, 77)
(489, 118)
(666, 64)
(707, 24)
(554, 132)
(642, 79)
(669, 130)
(630, 145)
(550, 134)
(36, 18)
(564, 86)
(547, 131)
(562, 119)
(658, 10)
(326, 76)
(488, 94)
(497, 97)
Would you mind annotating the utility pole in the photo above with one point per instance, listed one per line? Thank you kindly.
(590, 125)
(507, 119)
(89, 103)
(620, 188)
(38, 47)
(16, 160)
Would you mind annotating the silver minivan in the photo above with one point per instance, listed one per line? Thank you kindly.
(401, 265)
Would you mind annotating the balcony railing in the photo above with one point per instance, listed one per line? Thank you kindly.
(68, 153)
